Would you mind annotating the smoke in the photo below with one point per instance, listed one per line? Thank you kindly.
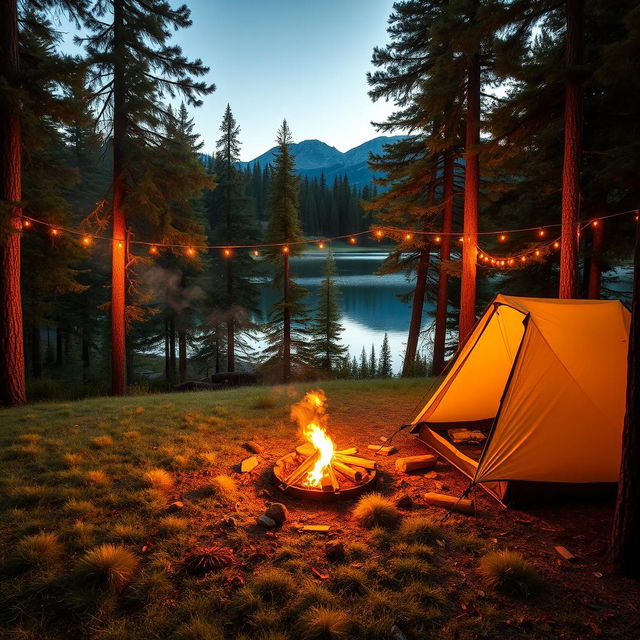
(166, 285)
(312, 408)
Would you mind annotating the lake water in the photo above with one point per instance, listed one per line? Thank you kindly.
(369, 303)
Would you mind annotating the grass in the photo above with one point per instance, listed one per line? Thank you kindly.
(374, 510)
(223, 487)
(509, 572)
(105, 560)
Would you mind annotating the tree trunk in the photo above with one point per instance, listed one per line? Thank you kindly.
(625, 550)
(12, 377)
(467, 317)
(440, 334)
(572, 153)
(36, 352)
(172, 349)
(182, 354)
(59, 346)
(218, 348)
(286, 328)
(86, 352)
(167, 363)
(595, 262)
(231, 343)
(417, 307)
(118, 260)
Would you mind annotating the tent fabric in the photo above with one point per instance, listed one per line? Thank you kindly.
(552, 376)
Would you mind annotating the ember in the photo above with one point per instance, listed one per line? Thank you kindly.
(315, 469)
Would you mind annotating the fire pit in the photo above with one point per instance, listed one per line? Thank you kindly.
(315, 470)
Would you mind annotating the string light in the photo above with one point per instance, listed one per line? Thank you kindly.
(408, 236)
(556, 245)
(86, 241)
(320, 245)
(256, 253)
(595, 223)
(437, 239)
(523, 259)
(542, 233)
(153, 250)
(502, 237)
(352, 240)
(537, 252)
(26, 223)
(285, 249)
(379, 233)
(55, 232)
(226, 253)
(190, 252)
(460, 239)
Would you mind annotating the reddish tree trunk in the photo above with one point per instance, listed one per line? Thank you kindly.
(417, 307)
(286, 328)
(182, 354)
(440, 334)
(572, 153)
(595, 263)
(12, 376)
(471, 196)
(625, 550)
(118, 249)
(231, 342)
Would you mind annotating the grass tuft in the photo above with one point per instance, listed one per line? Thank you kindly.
(199, 629)
(273, 586)
(312, 595)
(224, 488)
(350, 581)
(411, 569)
(159, 479)
(97, 478)
(173, 524)
(39, 550)
(374, 510)
(421, 530)
(323, 623)
(510, 573)
(102, 442)
(108, 565)
(71, 460)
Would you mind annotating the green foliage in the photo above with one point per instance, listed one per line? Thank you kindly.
(509, 572)
(374, 510)
(384, 364)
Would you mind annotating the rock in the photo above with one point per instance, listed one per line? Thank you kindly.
(334, 550)
(277, 512)
(441, 486)
(266, 522)
(249, 464)
(404, 502)
(254, 447)
(175, 506)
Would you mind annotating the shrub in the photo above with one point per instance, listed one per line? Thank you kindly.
(159, 479)
(381, 538)
(39, 550)
(509, 572)
(273, 586)
(350, 580)
(224, 488)
(102, 442)
(97, 478)
(422, 530)
(199, 629)
(322, 623)
(108, 565)
(374, 510)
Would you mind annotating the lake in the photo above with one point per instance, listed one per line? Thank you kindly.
(369, 303)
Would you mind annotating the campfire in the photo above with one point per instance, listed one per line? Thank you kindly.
(315, 469)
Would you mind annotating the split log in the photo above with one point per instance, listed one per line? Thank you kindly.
(349, 472)
(414, 463)
(315, 528)
(463, 505)
(357, 461)
(381, 450)
(305, 449)
(254, 447)
(348, 452)
(300, 471)
(249, 464)
(565, 553)
(334, 480)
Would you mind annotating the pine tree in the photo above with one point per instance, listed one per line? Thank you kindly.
(385, 367)
(134, 69)
(354, 371)
(325, 329)
(363, 367)
(286, 349)
(373, 364)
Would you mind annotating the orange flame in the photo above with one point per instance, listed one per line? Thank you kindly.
(310, 413)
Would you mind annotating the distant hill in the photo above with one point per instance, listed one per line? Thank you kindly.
(314, 157)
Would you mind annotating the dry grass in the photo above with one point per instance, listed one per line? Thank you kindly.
(374, 510)
(159, 479)
(224, 488)
(71, 460)
(422, 530)
(322, 623)
(39, 550)
(199, 629)
(272, 585)
(109, 565)
(102, 442)
(510, 573)
(97, 478)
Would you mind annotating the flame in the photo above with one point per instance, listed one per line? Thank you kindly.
(310, 413)
(318, 437)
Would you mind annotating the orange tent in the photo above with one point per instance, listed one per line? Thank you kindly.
(546, 380)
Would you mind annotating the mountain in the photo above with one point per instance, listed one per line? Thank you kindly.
(314, 157)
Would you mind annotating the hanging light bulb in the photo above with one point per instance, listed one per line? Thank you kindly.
(523, 259)
(379, 233)
(460, 239)
(86, 241)
(502, 237)
(437, 239)
(320, 245)
(190, 252)
(511, 261)
(55, 232)
(408, 236)
(153, 250)
(542, 233)
(481, 256)
(595, 223)
(556, 245)
(226, 253)
(26, 223)
(256, 253)
(285, 249)
(493, 260)
(352, 240)
(537, 252)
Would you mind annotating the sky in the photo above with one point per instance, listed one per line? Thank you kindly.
(303, 60)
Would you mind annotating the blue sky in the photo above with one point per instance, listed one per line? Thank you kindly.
(305, 60)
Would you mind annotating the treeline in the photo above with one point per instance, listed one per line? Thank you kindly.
(324, 209)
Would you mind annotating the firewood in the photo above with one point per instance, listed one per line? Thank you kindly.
(463, 505)
(249, 464)
(353, 474)
(413, 463)
(315, 528)
(326, 483)
(300, 471)
(348, 452)
(357, 461)
(381, 450)
(565, 553)
(305, 449)
(334, 480)
(254, 447)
